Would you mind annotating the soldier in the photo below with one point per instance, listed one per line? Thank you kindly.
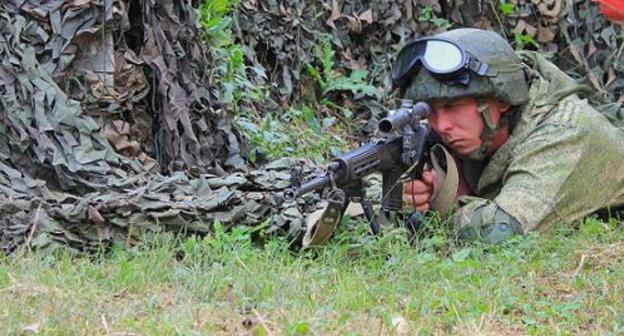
(530, 150)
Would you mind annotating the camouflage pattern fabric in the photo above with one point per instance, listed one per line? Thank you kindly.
(94, 103)
(592, 48)
(562, 161)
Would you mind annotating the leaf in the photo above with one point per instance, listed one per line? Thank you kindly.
(218, 228)
(335, 14)
(301, 328)
(508, 8)
(367, 16)
(355, 83)
(316, 75)
(327, 55)
(309, 117)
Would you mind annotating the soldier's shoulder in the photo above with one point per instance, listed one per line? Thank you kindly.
(563, 122)
(571, 112)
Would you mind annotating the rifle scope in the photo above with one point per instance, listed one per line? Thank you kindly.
(407, 114)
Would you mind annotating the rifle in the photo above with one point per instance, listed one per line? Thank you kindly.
(398, 154)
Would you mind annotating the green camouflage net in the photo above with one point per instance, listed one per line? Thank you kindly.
(98, 99)
(33, 215)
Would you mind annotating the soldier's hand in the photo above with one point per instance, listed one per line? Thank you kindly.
(418, 193)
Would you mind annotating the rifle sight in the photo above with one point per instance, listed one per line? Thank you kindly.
(408, 114)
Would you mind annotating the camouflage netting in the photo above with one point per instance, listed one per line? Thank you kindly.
(32, 214)
(592, 49)
(111, 130)
(98, 99)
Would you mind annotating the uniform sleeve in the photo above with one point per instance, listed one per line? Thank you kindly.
(538, 186)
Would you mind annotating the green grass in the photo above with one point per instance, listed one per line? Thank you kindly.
(566, 282)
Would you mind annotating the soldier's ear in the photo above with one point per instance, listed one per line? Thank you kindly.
(503, 106)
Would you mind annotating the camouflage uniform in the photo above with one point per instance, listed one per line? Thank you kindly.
(561, 162)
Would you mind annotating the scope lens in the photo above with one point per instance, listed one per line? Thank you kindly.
(385, 126)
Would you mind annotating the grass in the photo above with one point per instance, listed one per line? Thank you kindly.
(566, 282)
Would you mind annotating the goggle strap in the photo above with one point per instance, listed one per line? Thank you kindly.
(478, 67)
(498, 68)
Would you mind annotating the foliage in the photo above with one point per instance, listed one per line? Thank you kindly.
(428, 15)
(331, 80)
(269, 134)
(296, 132)
(229, 72)
(521, 41)
(214, 20)
(507, 7)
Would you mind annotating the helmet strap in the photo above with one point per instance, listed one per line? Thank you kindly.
(490, 130)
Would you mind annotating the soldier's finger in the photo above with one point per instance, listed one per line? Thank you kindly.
(417, 199)
(416, 187)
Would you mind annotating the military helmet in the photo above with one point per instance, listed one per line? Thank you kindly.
(459, 63)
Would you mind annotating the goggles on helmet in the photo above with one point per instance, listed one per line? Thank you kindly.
(444, 59)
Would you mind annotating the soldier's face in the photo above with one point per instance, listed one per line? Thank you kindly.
(459, 122)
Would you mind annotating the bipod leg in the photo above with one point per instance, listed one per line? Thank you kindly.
(357, 194)
(370, 216)
(413, 223)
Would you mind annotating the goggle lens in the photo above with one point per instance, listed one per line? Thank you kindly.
(442, 57)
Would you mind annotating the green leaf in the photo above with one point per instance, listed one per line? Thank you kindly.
(507, 8)
(426, 14)
(251, 155)
(356, 83)
(218, 227)
(316, 75)
(236, 57)
(301, 328)
(309, 117)
(219, 6)
(327, 55)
